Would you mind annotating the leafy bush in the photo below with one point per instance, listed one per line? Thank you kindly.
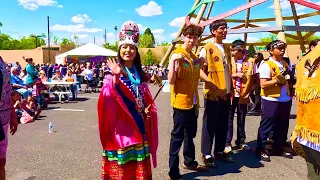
(148, 58)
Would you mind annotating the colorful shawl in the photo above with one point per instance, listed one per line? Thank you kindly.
(116, 125)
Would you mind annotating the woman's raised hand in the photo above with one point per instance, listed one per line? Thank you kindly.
(114, 66)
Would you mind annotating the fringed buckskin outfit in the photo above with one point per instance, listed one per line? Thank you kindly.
(185, 101)
(306, 134)
(216, 112)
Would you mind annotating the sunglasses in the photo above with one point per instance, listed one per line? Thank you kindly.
(239, 50)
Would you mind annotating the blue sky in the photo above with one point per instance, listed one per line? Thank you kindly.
(88, 19)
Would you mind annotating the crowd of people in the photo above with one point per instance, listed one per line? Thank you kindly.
(127, 114)
(30, 95)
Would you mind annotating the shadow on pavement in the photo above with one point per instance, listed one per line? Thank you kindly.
(31, 178)
(241, 159)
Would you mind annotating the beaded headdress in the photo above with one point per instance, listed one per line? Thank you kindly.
(129, 34)
(276, 44)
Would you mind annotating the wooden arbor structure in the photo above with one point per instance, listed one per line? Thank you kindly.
(248, 25)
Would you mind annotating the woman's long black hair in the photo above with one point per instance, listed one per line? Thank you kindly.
(313, 43)
(137, 64)
(259, 59)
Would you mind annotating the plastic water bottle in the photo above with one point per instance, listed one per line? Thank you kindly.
(50, 128)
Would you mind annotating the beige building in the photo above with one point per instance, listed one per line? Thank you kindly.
(293, 52)
(39, 55)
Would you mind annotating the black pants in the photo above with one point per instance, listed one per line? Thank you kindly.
(313, 163)
(275, 116)
(241, 117)
(257, 97)
(184, 130)
(215, 125)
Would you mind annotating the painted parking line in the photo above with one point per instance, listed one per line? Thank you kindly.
(71, 110)
(88, 97)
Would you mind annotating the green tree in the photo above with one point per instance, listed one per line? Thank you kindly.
(147, 40)
(8, 43)
(149, 58)
(164, 43)
(273, 37)
(68, 43)
(113, 47)
(1, 24)
(270, 38)
(313, 37)
(55, 40)
(31, 42)
(76, 40)
(5, 42)
(251, 51)
(148, 31)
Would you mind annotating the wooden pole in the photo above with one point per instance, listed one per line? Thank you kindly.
(48, 22)
(200, 13)
(246, 23)
(199, 17)
(209, 11)
(279, 21)
(172, 46)
(296, 21)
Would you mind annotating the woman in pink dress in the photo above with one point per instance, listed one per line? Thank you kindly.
(8, 116)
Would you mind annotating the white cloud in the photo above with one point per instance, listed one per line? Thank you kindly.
(35, 4)
(81, 36)
(111, 36)
(179, 21)
(300, 13)
(232, 37)
(150, 9)
(158, 35)
(157, 31)
(309, 24)
(141, 28)
(262, 25)
(159, 38)
(121, 10)
(174, 35)
(285, 5)
(81, 19)
(74, 28)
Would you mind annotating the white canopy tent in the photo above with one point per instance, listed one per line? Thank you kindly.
(89, 49)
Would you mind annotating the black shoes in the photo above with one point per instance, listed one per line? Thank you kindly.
(223, 157)
(263, 155)
(209, 162)
(195, 167)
